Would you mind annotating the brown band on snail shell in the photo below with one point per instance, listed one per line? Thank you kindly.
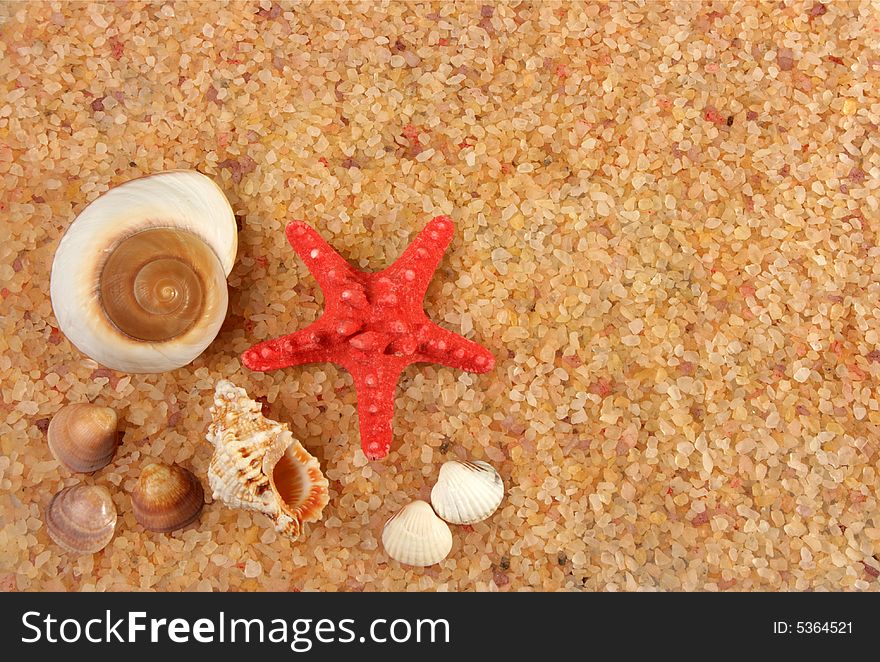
(83, 436)
(153, 284)
(81, 519)
(166, 497)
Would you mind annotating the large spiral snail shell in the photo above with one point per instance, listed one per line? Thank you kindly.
(139, 278)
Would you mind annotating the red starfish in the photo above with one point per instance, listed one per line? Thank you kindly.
(373, 326)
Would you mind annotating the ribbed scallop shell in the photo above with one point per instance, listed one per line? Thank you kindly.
(258, 465)
(467, 492)
(416, 536)
(82, 436)
(81, 519)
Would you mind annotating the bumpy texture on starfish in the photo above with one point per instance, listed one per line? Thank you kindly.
(373, 325)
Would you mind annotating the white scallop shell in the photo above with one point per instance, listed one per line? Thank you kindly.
(182, 199)
(416, 536)
(467, 492)
(249, 450)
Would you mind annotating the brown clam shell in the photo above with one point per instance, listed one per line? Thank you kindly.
(81, 519)
(83, 436)
(167, 497)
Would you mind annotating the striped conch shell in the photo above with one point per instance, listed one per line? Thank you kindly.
(258, 465)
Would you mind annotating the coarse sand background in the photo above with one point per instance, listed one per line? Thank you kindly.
(667, 234)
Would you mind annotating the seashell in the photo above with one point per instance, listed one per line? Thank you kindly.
(416, 536)
(139, 278)
(166, 498)
(467, 492)
(83, 436)
(82, 518)
(258, 465)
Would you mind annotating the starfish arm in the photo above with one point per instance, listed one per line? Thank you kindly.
(455, 351)
(375, 387)
(324, 263)
(415, 268)
(307, 345)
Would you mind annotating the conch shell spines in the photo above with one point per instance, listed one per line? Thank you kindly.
(259, 465)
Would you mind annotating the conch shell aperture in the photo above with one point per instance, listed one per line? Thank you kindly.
(258, 465)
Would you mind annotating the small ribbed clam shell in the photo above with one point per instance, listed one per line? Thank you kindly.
(416, 536)
(166, 498)
(83, 436)
(82, 518)
(467, 492)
